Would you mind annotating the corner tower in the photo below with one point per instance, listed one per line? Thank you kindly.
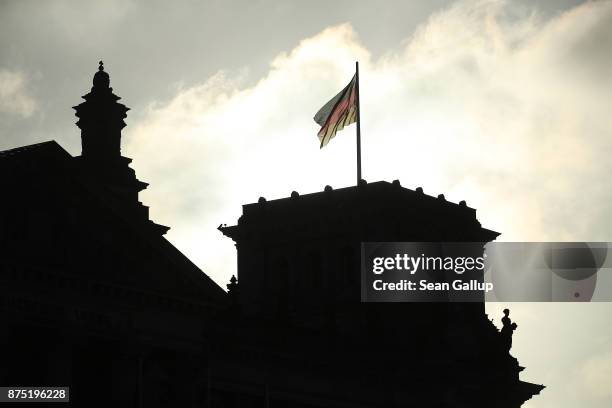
(299, 265)
(101, 120)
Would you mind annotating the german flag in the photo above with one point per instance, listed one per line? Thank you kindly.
(339, 112)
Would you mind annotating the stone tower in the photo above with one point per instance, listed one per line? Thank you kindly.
(101, 120)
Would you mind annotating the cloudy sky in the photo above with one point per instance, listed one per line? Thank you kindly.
(502, 103)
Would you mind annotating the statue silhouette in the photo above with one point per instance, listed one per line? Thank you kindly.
(507, 329)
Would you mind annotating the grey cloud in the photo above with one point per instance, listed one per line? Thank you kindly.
(15, 97)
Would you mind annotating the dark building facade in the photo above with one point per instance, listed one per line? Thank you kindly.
(93, 296)
(299, 265)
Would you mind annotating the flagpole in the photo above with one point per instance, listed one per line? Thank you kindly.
(358, 123)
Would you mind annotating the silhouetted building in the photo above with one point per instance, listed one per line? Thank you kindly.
(93, 296)
(299, 265)
(91, 293)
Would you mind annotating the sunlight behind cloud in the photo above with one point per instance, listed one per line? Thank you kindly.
(595, 376)
(478, 105)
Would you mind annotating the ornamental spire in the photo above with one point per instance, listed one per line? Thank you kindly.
(101, 79)
(101, 119)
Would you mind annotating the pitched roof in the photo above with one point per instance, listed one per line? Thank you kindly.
(35, 148)
(45, 151)
(50, 159)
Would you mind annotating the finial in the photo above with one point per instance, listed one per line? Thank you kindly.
(101, 79)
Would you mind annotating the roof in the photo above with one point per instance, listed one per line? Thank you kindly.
(51, 160)
(30, 149)
(45, 150)
(369, 200)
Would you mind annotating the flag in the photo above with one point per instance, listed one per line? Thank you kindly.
(339, 112)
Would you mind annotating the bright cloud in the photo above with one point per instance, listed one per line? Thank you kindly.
(485, 102)
(595, 376)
